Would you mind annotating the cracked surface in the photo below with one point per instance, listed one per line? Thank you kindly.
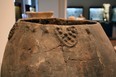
(49, 50)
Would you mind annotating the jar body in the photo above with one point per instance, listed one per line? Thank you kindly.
(41, 48)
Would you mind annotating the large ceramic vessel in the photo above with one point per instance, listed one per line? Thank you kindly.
(58, 48)
(39, 14)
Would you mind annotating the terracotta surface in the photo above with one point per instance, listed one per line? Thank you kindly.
(58, 48)
(39, 14)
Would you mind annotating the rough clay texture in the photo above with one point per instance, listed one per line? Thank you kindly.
(54, 50)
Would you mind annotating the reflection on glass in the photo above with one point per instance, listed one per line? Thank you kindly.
(74, 12)
(114, 14)
(96, 14)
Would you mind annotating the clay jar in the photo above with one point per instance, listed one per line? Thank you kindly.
(39, 14)
(52, 47)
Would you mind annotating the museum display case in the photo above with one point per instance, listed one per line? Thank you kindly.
(23, 6)
(113, 14)
(96, 13)
(74, 11)
(18, 10)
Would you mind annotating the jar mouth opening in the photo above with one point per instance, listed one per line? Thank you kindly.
(57, 21)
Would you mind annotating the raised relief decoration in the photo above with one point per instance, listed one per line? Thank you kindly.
(67, 35)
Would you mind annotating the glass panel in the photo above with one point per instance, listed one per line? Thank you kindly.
(96, 14)
(114, 14)
(76, 12)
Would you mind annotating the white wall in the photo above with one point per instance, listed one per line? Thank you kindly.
(62, 8)
(49, 5)
(57, 6)
(7, 19)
